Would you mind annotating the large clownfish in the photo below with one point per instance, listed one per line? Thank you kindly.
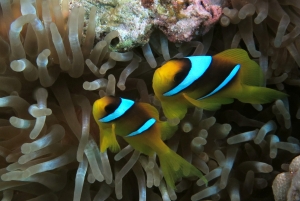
(209, 81)
(139, 125)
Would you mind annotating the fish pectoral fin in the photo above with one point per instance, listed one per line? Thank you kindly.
(167, 131)
(174, 109)
(259, 95)
(204, 104)
(108, 139)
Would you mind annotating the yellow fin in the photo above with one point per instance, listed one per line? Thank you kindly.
(219, 100)
(258, 95)
(152, 111)
(167, 131)
(176, 109)
(251, 73)
(204, 104)
(108, 139)
(175, 167)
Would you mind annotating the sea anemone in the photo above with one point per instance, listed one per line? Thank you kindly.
(51, 75)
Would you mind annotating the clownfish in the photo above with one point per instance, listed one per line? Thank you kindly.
(139, 125)
(208, 82)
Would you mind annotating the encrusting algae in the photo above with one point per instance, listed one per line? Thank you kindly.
(53, 71)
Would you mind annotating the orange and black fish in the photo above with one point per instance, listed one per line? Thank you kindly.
(139, 125)
(209, 81)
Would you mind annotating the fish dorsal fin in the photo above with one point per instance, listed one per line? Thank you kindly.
(152, 111)
(251, 73)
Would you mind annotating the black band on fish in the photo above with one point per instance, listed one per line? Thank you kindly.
(199, 64)
(231, 75)
(124, 106)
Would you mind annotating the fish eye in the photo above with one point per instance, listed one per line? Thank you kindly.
(179, 77)
(110, 108)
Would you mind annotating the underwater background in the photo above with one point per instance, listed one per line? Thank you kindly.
(58, 57)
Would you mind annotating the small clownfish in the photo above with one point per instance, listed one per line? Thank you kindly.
(208, 82)
(139, 125)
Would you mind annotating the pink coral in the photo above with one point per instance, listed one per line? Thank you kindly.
(181, 20)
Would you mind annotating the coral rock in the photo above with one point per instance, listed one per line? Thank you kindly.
(182, 20)
(281, 186)
(295, 165)
(294, 191)
(286, 185)
(128, 17)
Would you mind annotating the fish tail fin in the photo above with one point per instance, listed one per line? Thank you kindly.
(108, 140)
(174, 167)
(167, 130)
(251, 73)
(259, 95)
